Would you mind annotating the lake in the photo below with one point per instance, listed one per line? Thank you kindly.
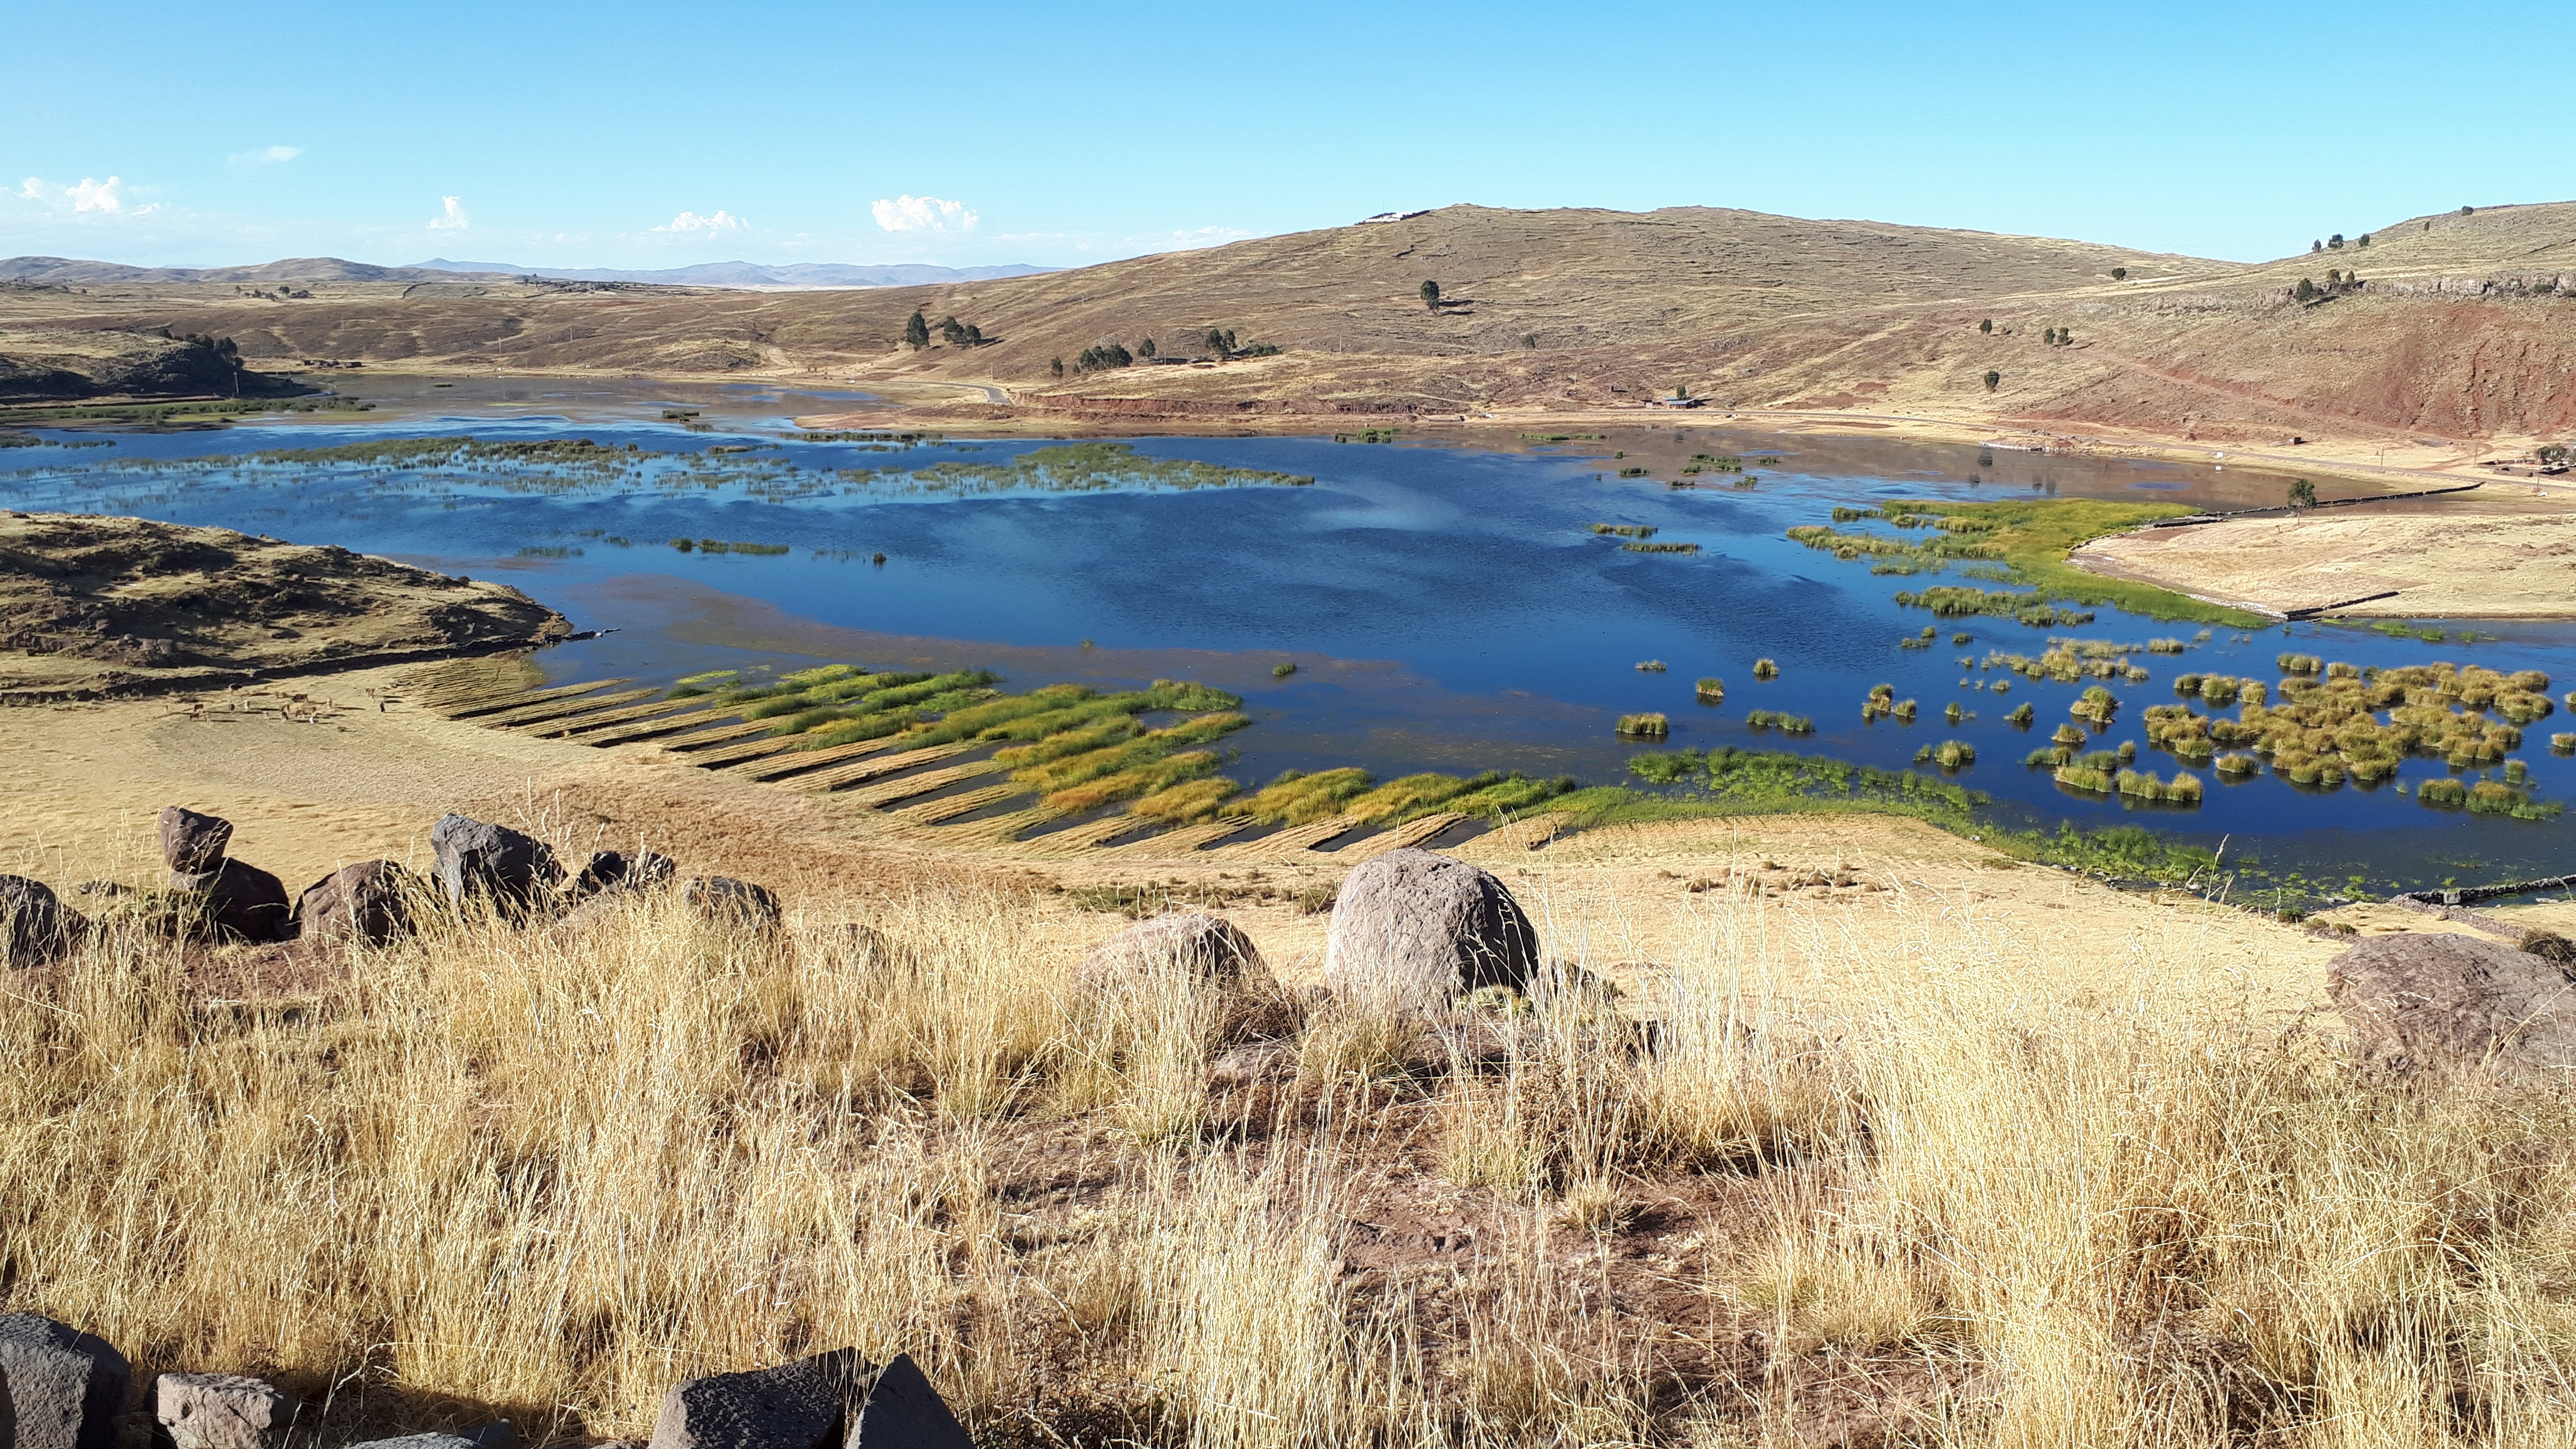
(1441, 595)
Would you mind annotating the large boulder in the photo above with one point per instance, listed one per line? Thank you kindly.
(499, 1434)
(193, 843)
(1413, 930)
(220, 1411)
(240, 901)
(60, 1388)
(801, 1405)
(2418, 1003)
(35, 926)
(1209, 947)
(732, 902)
(491, 863)
(371, 901)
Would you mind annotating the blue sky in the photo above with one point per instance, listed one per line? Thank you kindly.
(648, 134)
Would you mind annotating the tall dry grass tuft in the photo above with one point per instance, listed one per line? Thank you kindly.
(1897, 1167)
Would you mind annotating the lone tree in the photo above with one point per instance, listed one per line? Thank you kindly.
(1145, 348)
(2119, 274)
(1986, 326)
(2303, 494)
(2552, 455)
(1431, 295)
(2049, 337)
(1221, 342)
(916, 331)
(2335, 242)
(2315, 247)
(2306, 291)
(1994, 380)
(2363, 240)
(1056, 365)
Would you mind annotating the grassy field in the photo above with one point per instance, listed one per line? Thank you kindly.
(1865, 1186)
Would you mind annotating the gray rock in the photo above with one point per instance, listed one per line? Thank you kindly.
(192, 842)
(1259, 1061)
(902, 1411)
(59, 1388)
(2417, 1003)
(241, 900)
(1412, 930)
(1209, 947)
(499, 1434)
(220, 1411)
(801, 1405)
(371, 901)
(622, 870)
(491, 863)
(35, 926)
(738, 902)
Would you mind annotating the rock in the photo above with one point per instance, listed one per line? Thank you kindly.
(1259, 1061)
(1412, 930)
(2440, 1003)
(801, 1405)
(499, 1434)
(620, 870)
(902, 1411)
(220, 1411)
(35, 926)
(1206, 946)
(739, 902)
(242, 901)
(371, 901)
(191, 842)
(59, 1388)
(491, 863)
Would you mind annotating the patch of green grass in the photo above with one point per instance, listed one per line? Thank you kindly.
(2033, 537)
(1126, 757)
(1296, 798)
(1635, 547)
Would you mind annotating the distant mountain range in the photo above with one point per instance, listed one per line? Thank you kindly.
(66, 271)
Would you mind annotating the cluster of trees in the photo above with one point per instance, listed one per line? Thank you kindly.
(1431, 295)
(2335, 243)
(917, 329)
(1103, 357)
(2058, 336)
(2337, 284)
(2303, 494)
(2553, 455)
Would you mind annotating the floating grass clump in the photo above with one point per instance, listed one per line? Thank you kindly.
(1787, 724)
(1187, 803)
(1950, 600)
(2020, 715)
(1624, 530)
(1646, 726)
(2182, 789)
(2095, 705)
(1766, 669)
(2298, 663)
(1632, 472)
(2165, 646)
(2239, 763)
(2447, 794)
(1142, 779)
(1954, 754)
(1282, 669)
(1711, 690)
(2564, 744)
(1954, 713)
(1650, 666)
(1124, 758)
(1633, 546)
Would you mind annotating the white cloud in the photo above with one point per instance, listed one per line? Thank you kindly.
(722, 221)
(455, 219)
(94, 195)
(923, 213)
(33, 190)
(1208, 236)
(265, 155)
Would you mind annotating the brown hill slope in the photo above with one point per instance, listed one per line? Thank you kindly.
(2464, 327)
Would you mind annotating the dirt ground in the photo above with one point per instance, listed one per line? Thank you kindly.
(2439, 565)
(85, 782)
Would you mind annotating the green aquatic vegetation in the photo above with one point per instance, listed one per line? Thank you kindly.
(1502, 796)
(2020, 715)
(1954, 754)
(2182, 789)
(1633, 546)
(1650, 724)
(1565, 437)
(1189, 802)
(1297, 798)
(1667, 767)
(1283, 669)
(1084, 467)
(1080, 740)
(2563, 743)
(1413, 796)
(1787, 724)
(1623, 530)
(1142, 779)
(1954, 712)
(1127, 757)
(1650, 666)
(2449, 794)
(2095, 705)
(718, 545)
(2298, 663)
(851, 731)
(2033, 537)
(1731, 781)
(985, 721)
(1952, 601)
(1711, 690)
(1766, 669)
(1632, 472)
(2237, 763)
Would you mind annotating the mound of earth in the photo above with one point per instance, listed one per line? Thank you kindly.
(94, 606)
(63, 366)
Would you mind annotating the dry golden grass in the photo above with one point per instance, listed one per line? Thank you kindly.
(545, 1173)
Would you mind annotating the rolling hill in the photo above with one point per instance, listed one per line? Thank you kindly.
(2462, 326)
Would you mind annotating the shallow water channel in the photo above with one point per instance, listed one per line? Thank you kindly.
(1441, 595)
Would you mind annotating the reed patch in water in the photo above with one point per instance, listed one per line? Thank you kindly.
(1635, 547)
(1298, 798)
(1766, 669)
(1710, 690)
(1645, 726)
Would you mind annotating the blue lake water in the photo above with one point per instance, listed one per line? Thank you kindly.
(1440, 594)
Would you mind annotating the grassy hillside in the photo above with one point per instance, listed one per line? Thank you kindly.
(2463, 327)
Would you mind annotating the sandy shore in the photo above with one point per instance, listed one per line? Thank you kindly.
(87, 780)
(2433, 564)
